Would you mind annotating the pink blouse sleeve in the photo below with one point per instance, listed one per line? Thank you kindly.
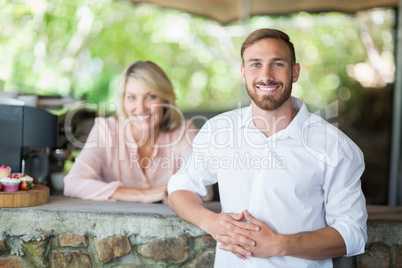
(83, 180)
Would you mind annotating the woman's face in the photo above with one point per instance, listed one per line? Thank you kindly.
(143, 107)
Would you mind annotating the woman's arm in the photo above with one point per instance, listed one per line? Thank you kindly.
(83, 181)
(141, 195)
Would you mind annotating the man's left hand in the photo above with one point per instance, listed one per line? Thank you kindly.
(267, 241)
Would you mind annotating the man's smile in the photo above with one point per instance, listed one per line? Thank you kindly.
(267, 88)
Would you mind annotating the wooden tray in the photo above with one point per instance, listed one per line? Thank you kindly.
(38, 195)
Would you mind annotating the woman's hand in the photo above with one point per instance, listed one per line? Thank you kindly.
(141, 195)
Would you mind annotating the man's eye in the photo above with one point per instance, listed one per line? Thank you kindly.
(255, 64)
(278, 64)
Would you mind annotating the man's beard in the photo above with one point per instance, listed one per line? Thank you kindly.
(269, 102)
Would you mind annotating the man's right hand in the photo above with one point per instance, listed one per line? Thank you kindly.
(231, 232)
(226, 228)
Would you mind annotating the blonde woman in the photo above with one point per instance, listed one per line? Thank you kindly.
(131, 156)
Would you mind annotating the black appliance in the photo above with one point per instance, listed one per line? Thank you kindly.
(26, 136)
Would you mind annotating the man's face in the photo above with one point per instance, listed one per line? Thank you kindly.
(268, 73)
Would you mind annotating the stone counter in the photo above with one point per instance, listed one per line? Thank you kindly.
(78, 233)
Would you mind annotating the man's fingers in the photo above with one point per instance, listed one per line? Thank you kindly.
(237, 217)
(237, 250)
(251, 219)
(239, 256)
(235, 239)
(237, 221)
(239, 227)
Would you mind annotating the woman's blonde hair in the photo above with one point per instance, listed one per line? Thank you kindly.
(154, 78)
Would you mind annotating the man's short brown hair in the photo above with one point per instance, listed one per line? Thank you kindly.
(265, 34)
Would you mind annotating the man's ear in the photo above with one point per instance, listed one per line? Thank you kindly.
(242, 73)
(295, 72)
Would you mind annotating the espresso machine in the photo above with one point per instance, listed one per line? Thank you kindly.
(26, 136)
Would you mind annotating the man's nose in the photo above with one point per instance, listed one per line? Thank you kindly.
(267, 74)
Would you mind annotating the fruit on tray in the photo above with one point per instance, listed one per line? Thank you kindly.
(26, 185)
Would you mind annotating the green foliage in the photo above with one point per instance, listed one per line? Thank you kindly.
(80, 48)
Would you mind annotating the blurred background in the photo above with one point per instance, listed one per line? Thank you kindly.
(77, 49)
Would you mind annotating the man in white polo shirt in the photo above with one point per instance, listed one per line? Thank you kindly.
(289, 182)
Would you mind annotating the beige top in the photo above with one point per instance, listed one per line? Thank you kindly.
(110, 160)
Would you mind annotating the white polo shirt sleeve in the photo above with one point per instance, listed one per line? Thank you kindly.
(196, 173)
(345, 204)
